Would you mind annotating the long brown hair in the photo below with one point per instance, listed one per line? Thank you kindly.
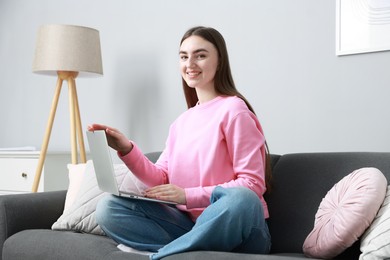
(223, 81)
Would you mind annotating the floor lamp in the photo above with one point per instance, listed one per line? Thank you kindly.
(66, 51)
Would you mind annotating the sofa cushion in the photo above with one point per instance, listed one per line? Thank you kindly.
(65, 245)
(80, 215)
(62, 245)
(375, 242)
(212, 255)
(345, 212)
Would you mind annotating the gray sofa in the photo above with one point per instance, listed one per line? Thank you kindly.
(300, 181)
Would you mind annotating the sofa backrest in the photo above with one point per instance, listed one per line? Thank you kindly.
(300, 181)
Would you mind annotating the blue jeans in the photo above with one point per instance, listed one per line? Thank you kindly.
(234, 221)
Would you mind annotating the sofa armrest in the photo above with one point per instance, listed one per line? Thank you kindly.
(29, 211)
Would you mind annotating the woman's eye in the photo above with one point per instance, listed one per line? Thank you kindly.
(201, 56)
(183, 57)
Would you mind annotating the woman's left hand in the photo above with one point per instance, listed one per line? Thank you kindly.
(167, 192)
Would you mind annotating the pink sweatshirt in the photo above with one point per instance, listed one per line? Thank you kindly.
(217, 143)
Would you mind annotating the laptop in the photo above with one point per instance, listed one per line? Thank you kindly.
(104, 168)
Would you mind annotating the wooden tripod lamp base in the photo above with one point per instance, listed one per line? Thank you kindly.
(76, 132)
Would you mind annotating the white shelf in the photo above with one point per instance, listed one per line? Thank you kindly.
(17, 171)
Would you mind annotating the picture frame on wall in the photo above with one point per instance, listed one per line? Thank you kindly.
(362, 26)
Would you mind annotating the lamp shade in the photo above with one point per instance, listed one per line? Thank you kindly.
(67, 48)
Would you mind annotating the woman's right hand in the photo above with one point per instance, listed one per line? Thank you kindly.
(116, 140)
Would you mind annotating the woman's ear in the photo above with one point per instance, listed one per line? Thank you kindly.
(219, 63)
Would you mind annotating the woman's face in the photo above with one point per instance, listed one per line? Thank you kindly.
(198, 62)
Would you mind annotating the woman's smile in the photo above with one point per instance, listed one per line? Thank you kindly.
(193, 74)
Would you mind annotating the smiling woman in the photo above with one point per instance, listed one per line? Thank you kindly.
(199, 63)
(214, 165)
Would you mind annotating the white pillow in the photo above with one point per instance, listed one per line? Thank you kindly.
(80, 215)
(76, 176)
(375, 243)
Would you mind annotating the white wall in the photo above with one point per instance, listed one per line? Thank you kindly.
(282, 55)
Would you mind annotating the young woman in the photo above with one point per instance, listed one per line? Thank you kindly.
(213, 166)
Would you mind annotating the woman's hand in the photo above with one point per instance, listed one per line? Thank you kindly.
(116, 140)
(167, 192)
